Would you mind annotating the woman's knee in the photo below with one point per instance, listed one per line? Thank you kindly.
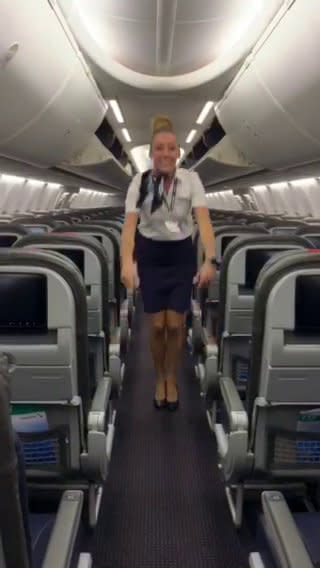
(174, 323)
(158, 324)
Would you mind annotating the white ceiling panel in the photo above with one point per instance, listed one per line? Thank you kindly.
(165, 56)
(189, 10)
(142, 10)
(194, 34)
(137, 52)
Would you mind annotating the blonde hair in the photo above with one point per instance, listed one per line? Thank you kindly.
(160, 123)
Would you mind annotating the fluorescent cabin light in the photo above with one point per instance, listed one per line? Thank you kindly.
(278, 185)
(126, 134)
(36, 181)
(116, 111)
(53, 185)
(12, 179)
(190, 136)
(204, 113)
(258, 187)
(304, 181)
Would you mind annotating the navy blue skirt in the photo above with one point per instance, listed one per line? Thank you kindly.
(166, 271)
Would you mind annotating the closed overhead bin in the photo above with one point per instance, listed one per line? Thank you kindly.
(50, 105)
(271, 109)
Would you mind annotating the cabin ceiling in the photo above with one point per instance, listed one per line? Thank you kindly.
(168, 37)
(165, 56)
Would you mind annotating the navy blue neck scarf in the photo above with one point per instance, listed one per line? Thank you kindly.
(144, 189)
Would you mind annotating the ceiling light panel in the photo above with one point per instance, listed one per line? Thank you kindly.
(190, 136)
(205, 111)
(304, 182)
(12, 179)
(116, 111)
(126, 135)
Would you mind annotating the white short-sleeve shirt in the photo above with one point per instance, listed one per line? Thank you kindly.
(189, 193)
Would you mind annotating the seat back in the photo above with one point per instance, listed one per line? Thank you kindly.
(15, 547)
(283, 396)
(92, 261)
(110, 244)
(10, 233)
(224, 236)
(43, 329)
(240, 269)
(311, 233)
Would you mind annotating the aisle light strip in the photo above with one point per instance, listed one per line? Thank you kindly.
(190, 136)
(126, 135)
(204, 113)
(116, 111)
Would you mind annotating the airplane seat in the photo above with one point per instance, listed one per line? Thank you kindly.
(10, 233)
(243, 261)
(66, 433)
(274, 434)
(289, 540)
(30, 539)
(205, 310)
(312, 233)
(120, 313)
(91, 259)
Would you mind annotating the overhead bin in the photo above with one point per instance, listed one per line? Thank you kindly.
(50, 105)
(223, 162)
(97, 163)
(271, 109)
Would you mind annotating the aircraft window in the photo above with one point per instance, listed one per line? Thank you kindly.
(307, 304)
(255, 260)
(23, 303)
(76, 255)
(7, 240)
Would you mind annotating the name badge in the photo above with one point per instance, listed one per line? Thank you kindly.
(172, 226)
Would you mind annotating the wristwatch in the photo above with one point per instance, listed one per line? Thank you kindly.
(212, 260)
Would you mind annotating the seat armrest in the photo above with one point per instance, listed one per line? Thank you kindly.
(282, 532)
(99, 405)
(85, 560)
(198, 338)
(61, 544)
(255, 560)
(238, 418)
(196, 309)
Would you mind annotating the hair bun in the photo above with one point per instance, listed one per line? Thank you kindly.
(160, 123)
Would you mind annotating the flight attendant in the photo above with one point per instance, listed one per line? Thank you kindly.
(164, 198)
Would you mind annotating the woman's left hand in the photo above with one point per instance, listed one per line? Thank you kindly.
(206, 273)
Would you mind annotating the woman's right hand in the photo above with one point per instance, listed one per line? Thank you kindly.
(128, 275)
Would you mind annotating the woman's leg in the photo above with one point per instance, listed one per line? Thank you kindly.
(158, 349)
(175, 328)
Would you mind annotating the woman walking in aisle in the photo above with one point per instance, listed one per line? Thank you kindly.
(164, 198)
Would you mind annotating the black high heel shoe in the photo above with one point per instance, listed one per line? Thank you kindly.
(159, 404)
(172, 406)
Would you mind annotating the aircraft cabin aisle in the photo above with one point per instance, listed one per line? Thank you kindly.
(164, 502)
(92, 475)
